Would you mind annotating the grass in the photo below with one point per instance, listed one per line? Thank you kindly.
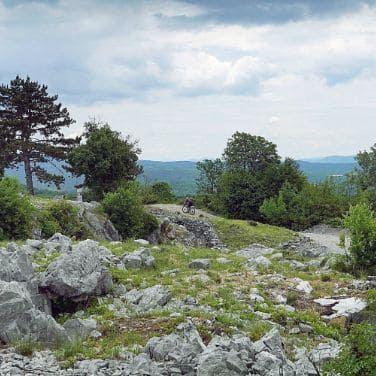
(226, 292)
(238, 234)
(26, 346)
(43, 260)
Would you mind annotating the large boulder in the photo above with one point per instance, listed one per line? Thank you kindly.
(15, 265)
(182, 349)
(226, 357)
(270, 356)
(77, 275)
(20, 319)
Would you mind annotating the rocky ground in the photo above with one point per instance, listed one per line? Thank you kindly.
(218, 297)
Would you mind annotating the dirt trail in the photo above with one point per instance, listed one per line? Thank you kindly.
(321, 234)
(172, 208)
(327, 236)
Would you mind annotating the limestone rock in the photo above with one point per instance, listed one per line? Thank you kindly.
(15, 266)
(138, 259)
(199, 264)
(79, 329)
(77, 275)
(254, 250)
(58, 242)
(20, 319)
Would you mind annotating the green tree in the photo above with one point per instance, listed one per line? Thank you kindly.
(209, 173)
(250, 153)
(365, 174)
(361, 222)
(163, 192)
(239, 195)
(106, 159)
(300, 209)
(30, 125)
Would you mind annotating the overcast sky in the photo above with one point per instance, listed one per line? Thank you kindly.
(183, 76)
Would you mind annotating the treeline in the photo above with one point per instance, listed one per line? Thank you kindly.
(251, 181)
(31, 134)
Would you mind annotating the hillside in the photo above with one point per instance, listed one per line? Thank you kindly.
(247, 305)
(181, 175)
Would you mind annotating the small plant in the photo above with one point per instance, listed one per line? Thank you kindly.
(325, 277)
(258, 329)
(292, 297)
(342, 239)
(26, 346)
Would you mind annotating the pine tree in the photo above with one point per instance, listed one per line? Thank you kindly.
(30, 123)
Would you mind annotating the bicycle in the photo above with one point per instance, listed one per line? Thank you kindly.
(186, 209)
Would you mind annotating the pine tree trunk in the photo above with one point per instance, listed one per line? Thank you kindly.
(29, 175)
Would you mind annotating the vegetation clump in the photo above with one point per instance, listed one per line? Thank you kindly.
(61, 216)
(16, 211)
(125, 210)
(361, 222)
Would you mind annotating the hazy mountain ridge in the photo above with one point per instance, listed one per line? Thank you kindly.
(181, 175)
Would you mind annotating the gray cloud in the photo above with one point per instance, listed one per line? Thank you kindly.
(260, 12)
(173, 67)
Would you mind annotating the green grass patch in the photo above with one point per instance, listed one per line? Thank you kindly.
(237, 234)
(43, 260)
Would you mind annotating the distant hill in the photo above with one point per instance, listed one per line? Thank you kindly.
(342, 159)
(181, 175)
(319, 171)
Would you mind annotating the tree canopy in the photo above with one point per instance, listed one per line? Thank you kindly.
(246, 152)
(30, 130)
(365, 174)
(106, 159)
(209, 173)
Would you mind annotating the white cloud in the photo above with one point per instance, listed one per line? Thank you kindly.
(308, 85)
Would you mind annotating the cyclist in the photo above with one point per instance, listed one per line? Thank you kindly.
(188, 202)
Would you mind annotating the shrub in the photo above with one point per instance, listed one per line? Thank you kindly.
(361, 222)
(125, 210)
(16, 211)
(299, 210)
(159, 192)
(358, 356)
(61, 216)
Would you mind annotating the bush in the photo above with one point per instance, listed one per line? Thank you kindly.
(16, 211)
(125, 210)
(159, 192)
(358, 356)
(361, 222)
(299, 210)
(61, 216)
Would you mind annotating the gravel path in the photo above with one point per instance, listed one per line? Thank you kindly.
(327, 236)
(172, 208)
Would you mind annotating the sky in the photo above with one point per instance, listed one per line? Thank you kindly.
(182, 76)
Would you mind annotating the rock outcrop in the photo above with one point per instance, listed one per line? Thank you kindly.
(20, 319)
(78, 274)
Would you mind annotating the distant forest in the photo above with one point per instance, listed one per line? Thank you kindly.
(181, 175)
